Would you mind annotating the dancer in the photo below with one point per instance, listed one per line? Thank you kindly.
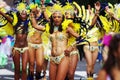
(36, 50)
(59, 60)
(74, 54)
(91, 50)
(20, 49)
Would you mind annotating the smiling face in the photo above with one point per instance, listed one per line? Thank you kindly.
(57, 18)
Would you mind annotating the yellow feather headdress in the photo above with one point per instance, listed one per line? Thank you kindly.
(21, 6)
(117, 10)
(32, 5)
(56, 8)
(68, 8)
(79, 9)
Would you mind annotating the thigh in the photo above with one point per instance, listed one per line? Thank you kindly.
(94, 56)
(16, 59)
(40, 55)
(63, 68)
(88, 55)
(25, 59)
(31, 54)
(73, 63)
(52, 71)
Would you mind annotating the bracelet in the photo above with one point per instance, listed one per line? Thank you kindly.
(77, 39)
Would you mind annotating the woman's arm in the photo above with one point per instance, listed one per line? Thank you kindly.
(70, 48)
(6, 16)
(34, 23)
(44, 12)
(72, 32)
(97, 7)
(113, 16)
(116, 18)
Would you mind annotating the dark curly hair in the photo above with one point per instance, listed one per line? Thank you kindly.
(51, 24)
(112, 60)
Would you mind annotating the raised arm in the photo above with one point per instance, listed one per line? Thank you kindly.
(97, 8)
(112, 14)
(116, 18)
(34, 23)
(6, 16)
(44, 13)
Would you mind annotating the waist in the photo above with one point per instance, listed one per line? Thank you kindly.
(91, 48)
(35, 40)
(21, 44)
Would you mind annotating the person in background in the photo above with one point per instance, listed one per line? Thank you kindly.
(91, 49)
(111, 68)
(74, 55)
(106, 42)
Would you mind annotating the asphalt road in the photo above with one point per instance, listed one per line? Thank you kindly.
(6, 72)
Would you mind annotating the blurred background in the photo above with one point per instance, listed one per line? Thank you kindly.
(80, 2)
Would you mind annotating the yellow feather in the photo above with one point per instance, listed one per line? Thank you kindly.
(87, 16)
(79, 9)
(84, 13)
(106, 24)
(68, 8)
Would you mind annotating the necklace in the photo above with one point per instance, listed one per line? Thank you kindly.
(55, 28)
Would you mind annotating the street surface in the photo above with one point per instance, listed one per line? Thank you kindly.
(6, 72)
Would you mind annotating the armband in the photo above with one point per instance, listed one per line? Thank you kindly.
(78, 40)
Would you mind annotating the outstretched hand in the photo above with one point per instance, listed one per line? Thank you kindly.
(97, 6)
(3, 4)
(32, 15)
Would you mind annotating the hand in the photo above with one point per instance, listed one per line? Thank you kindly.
(68, 50)
(42, 2)
(43, 8)
(32, 15)
(3, 4)
(97, 6)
